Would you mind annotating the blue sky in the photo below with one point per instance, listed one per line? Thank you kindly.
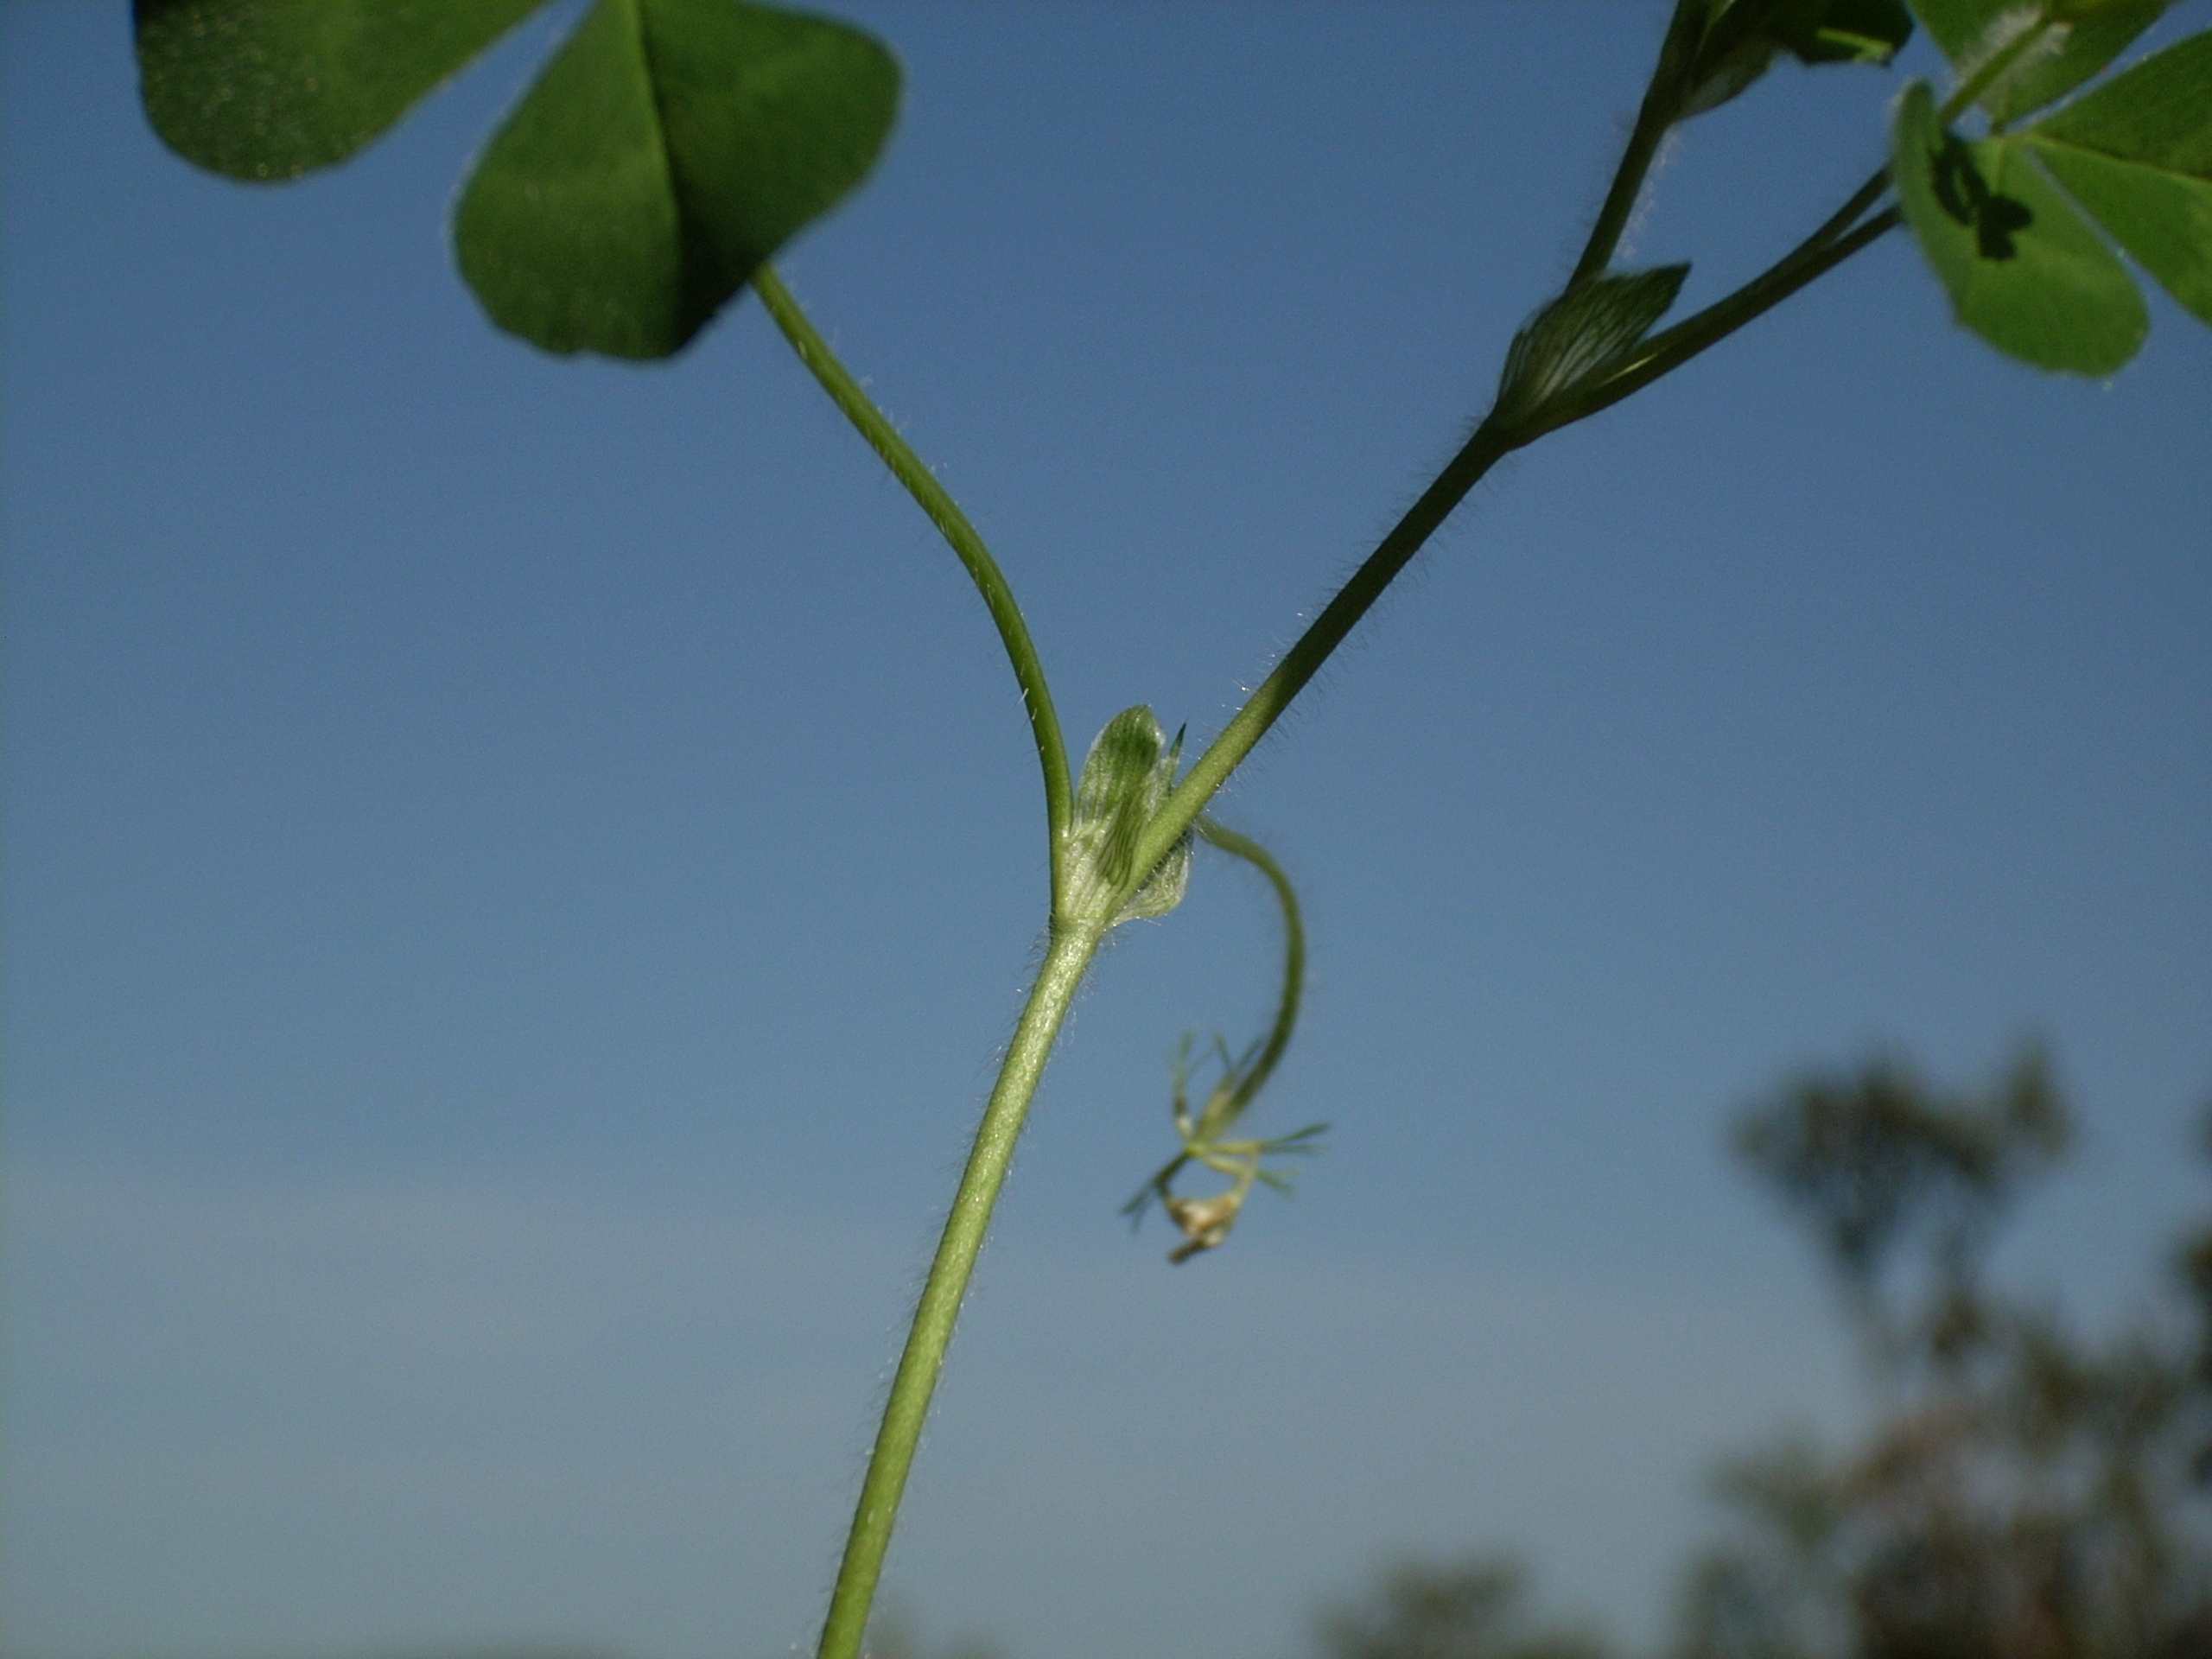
(515, 870)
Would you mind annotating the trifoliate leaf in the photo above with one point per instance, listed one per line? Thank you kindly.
(2052, 47)
(2137, 152)
(669, 149)
(266, 89)
(2023, 269)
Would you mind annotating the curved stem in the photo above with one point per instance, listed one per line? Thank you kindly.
(1251, 1081)
(846, 1624)
(975, 558)
(1294, 957)
(1072, 949)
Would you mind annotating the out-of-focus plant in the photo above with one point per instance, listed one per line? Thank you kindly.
(2031, 1491)
(1475, 1609)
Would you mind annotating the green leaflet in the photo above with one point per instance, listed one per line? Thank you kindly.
(2023, 270)
(2080, 38)
(669, 149)
(2137, 152)
(1740, 39)
(2022, 267)
(266, 89)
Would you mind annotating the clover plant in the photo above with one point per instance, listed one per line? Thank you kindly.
(669, 149)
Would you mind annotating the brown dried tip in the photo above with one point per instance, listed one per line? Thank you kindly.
(1205, 1222)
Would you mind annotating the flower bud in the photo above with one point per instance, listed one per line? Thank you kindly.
(1581, 334)
(1125, 779)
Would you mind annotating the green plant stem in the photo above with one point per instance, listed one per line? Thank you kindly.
(974, 557)
(1069, 954)
(1294, 957)
(1066, 958)
(1844, 218)
(1819, 253)
(1995, 67)
(1668, 349)
(1661, 107)
(1842, 234)
(1286, 1020)
(1482, 451)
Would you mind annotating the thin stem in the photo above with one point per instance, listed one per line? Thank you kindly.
(1668, 350)
(1826, 248)
(1992, 69)
(1661, 107)
(1843, 216)
(1286, 1020)
(975, 558)
(1840, 236)
(1836, 239)
(846, 1624)
(1303, 660)
(1294, 957)
(1072, 949)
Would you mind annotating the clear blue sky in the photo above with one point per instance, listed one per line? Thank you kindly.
(515, 870)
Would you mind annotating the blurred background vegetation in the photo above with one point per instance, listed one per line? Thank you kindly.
(2028, 1491)
(2031, 1487)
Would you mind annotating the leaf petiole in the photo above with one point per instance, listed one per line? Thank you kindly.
(961, 536)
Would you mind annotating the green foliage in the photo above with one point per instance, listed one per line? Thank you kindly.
(2022, 268)
(2038, 52)
(264, 90)
(666, 152)
(670, 147)
(1738, 41)
(2137, 152)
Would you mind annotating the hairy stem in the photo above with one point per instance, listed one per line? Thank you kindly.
(975, 558)
(1840, 235)
(1664, 352)
(846, 1624)
(1303, 660)
(1662, 105)
(1668, 349)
